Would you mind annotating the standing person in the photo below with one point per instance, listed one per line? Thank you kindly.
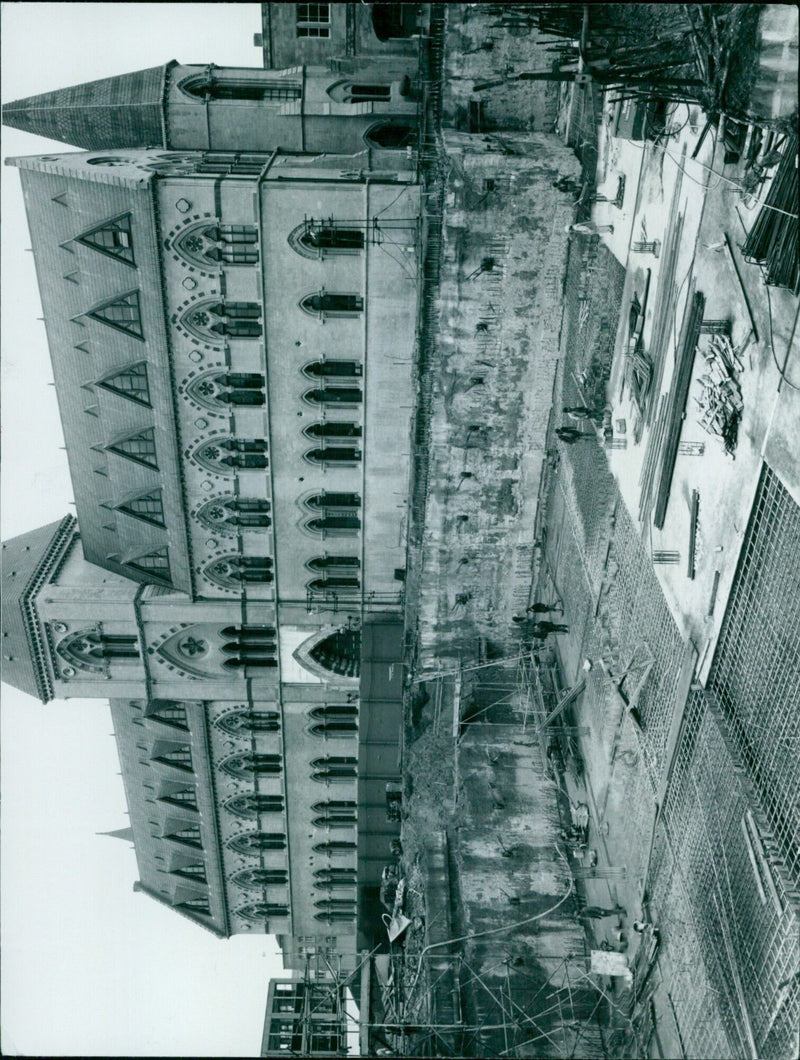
(596, 912)
(542, 609)
(549, 627)
(581, 413)
(570, 435)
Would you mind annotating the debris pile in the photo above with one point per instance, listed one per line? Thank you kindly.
(721, 395)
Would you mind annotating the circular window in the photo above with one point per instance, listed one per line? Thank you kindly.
(107, 160)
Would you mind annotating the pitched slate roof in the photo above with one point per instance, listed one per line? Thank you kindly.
(26, 561)
(122, 111)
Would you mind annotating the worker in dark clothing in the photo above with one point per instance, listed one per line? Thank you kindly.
(565, 184)
(542, 609)
(570, 435)
(582, 413)
(543, 628)
(596, 912)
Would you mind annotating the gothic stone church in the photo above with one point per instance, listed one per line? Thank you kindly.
(228, 275)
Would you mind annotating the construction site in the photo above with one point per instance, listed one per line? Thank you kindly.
(600, 809)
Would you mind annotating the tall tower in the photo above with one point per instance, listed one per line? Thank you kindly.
(217, 108)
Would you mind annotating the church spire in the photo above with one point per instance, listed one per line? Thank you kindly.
(115, 112)
(120, 833)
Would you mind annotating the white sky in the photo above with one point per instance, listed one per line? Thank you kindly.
(88, 967)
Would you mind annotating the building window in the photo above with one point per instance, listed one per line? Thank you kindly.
(334, 395)
(169, 712)
(146, 506)
(335, 877)
(140, 447)
(254, 842)
(248, 764)
(180, 758)
(239, 722)
(209, 320)
(254, 803)
(334, 768)
(229, 515)
(333, 369)
(91, 650)
(196, 905)
(121, 313)
(335, 813)
(333, 455)
(182, 797)
(263, 910)
(129, 382)
(189, 836)
(339, 652)
(347, 92)
(317, 239)
(337, 514)
(338, 916)
(313, 20)
(327, 904)
(238, 89)
(206, 244)
(333, 721)
(228, 388)
(391, 136)
(257, 879)
(232, 453)
(195, 871)
(155, 564)
(112, 238)
(335, 846)
(231, 572)
(324, 304)
(338, 572)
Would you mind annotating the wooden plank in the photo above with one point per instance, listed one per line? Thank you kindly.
(680, 393)
(693, 533)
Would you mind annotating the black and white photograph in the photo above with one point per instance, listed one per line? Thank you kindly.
(400, 530)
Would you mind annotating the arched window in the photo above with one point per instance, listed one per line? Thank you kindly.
(231, 572)
(196, 905)
(334, 768)
(254, 803)
(339, 916)
(335, 846)
(324, 304)
(257, 879)
(208, 320)
(335, 876)
(337, 572)
(336, 903)
(336, 720)
(334, 501)
(333, 369)
(248, 764)
(333, 455)
(391, 136)
(205, 246)
(238, 722)
(332, 429)
(317, 239)
(335, 525)
(227, 515)
(92, 650)
(210, 86)
(254, 842)
(263, 911)
(335, 813)
(225, 456)
(333, 395)
(339, 652)
(347, 92)
(216, 390)
(337, 513)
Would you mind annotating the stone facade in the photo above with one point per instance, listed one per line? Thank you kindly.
(232, 325)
